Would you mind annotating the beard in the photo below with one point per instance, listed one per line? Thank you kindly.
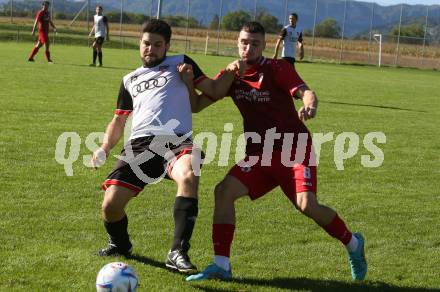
(152, 62)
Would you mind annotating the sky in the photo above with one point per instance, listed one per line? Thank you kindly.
(393, 2)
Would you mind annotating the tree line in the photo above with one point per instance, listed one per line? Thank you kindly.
(232, 21)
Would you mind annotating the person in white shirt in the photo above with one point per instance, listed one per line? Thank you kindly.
(156, 96)
(101, 29)
(291, 36)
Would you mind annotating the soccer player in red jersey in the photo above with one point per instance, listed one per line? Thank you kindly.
(42, 20)
(279, 151)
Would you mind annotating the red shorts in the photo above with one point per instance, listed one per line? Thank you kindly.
(43, 38)
(261, 179)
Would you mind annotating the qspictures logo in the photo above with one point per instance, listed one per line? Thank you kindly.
(218, 148)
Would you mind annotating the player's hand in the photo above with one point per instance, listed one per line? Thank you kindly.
(237, 67)
(98, 158)
(186, 73)
(306, 112)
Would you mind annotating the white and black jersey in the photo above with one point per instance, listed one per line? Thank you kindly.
(290, 35)
(158, 98)
(100, 22)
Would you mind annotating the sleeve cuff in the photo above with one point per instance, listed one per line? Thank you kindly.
(122, 112)
(295, 89)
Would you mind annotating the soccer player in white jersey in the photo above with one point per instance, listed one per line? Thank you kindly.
(102, 31)
(291, 36)
(160, 142)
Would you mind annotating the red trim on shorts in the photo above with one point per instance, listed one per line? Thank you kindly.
(115, 182)
(182, 152)
(122, 112)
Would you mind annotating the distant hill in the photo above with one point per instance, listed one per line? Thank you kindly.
(358, 13)
(357, 22)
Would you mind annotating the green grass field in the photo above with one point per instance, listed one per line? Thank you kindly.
(50, 223)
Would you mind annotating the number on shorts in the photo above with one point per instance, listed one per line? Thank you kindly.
(307, 173)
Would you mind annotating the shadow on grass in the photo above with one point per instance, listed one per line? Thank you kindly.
(374, 106)
(314, 285)
(148, 261)
(97, 67)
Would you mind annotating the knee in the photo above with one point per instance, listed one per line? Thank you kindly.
(224, 193)
(187, 178)
(307, 204)
(107, 208)
(110, 209)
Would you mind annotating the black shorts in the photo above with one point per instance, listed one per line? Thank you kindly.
(146, 160)
(99, 40)
(291, 60)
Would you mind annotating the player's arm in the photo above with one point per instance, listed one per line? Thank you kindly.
(35, 23)
(288, 79)
(219, 87)
(277, 47)
(91, 32)
(224, 80)
(114, 131)
(198, 101)
(310, 103)
(281, 37)
(53, 25)
(216, 88)
(107, 28)
(300, 45)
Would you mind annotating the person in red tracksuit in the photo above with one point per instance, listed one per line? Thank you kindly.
(43, 20)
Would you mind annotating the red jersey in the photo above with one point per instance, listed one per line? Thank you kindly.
(264, 98)
(43, 19)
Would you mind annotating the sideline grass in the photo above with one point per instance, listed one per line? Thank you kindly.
(50, 223)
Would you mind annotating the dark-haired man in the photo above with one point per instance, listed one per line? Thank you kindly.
(279, 151)
(159, 145)
(291, 36)
(43, 20)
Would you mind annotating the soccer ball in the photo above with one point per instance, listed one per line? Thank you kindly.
(116, 277)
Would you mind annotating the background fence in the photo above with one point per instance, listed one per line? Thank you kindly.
(410, 35)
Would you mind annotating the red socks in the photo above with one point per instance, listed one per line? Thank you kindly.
(222, 235)
(33, 53)
(338, 230)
